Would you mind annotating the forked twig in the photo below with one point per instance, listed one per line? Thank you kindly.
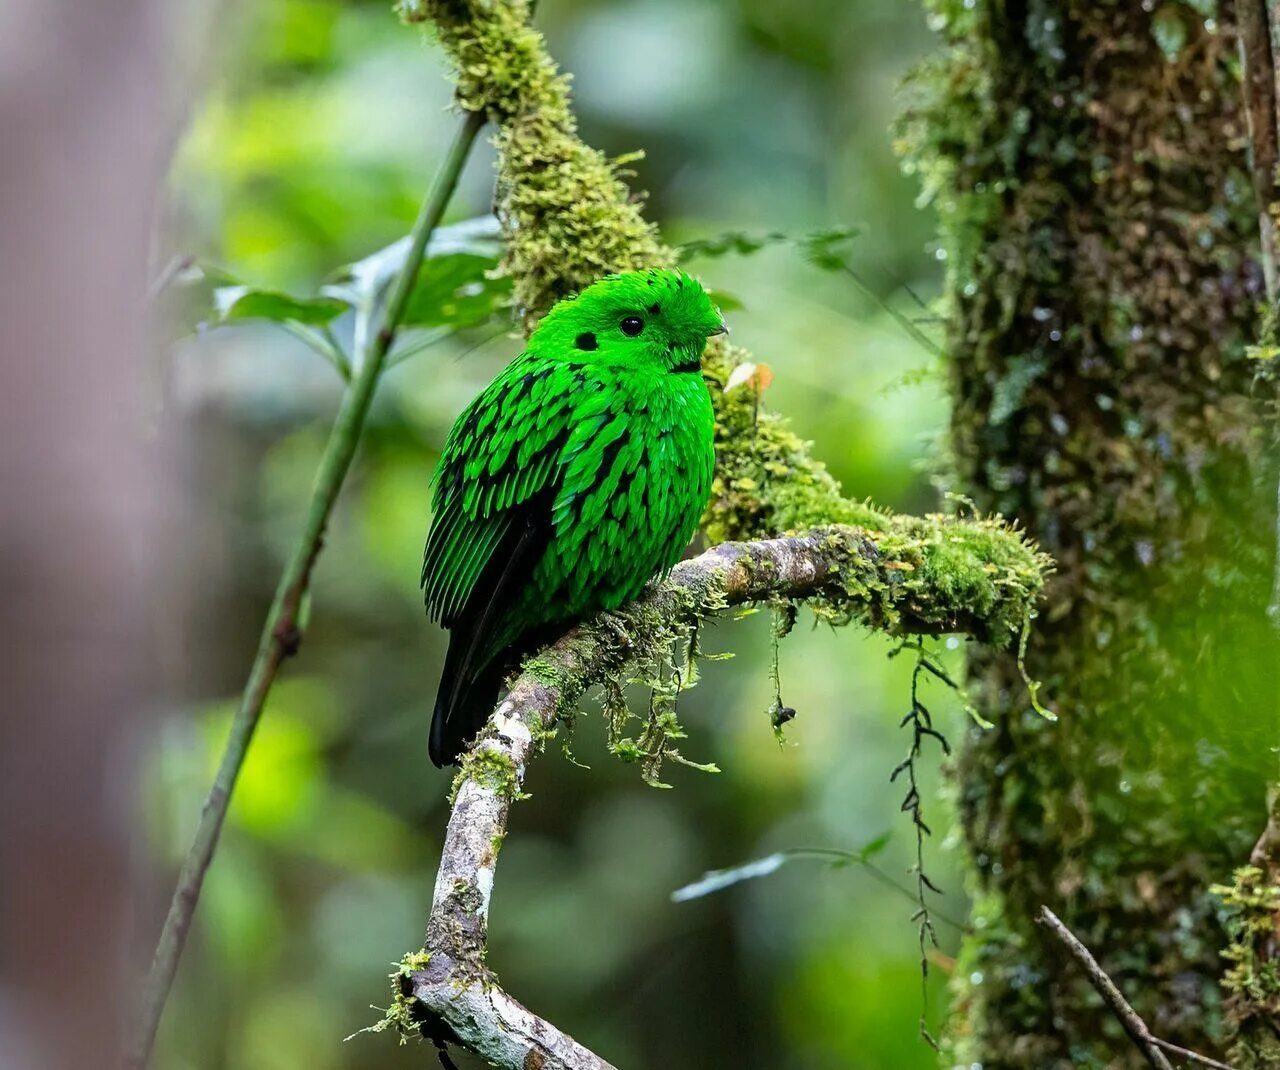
(1151, 1046)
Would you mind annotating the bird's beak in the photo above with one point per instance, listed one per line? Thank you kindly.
(722, 329)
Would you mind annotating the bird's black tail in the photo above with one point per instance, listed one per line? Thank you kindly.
(463, 702)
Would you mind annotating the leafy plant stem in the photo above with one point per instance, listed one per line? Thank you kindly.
(323, 343)
(418, 345)
(282, 631)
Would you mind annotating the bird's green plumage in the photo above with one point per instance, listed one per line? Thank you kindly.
(577, 475)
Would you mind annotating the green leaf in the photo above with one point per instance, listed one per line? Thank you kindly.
(237, 303)
(843, 859)
(725, 302)
(456, 291)
(872, 848)
(819, 248)
(366, 278)
(1170, 31)
(735, 241)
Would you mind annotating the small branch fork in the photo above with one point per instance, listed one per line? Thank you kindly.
(455, 997)
(1152, 1047)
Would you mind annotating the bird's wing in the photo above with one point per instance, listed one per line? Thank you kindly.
(501, 456)
(491, 524)
(473, 667)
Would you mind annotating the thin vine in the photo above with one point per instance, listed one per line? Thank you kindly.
(784, 619)
(920, 721)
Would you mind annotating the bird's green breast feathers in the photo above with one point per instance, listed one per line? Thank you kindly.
(582, 470)
(621, 456)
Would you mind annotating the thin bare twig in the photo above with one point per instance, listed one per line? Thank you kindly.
(1151, 1046)
(1194, 1056)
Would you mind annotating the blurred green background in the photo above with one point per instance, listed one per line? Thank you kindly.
(311, 148)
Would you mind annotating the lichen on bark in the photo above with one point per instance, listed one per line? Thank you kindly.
(1087, 164)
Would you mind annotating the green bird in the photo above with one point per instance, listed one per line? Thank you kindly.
(576, 476)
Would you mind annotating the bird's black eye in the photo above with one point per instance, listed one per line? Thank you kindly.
(632, 326)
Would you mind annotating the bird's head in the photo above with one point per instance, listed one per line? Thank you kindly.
(659, 318)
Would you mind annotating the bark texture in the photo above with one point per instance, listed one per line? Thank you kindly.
(1088, 161)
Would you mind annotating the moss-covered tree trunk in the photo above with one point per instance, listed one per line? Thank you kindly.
(1088, 160)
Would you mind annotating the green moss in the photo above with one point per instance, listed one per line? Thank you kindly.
(399, 1017)
(929, 574)
(490, 769)
(1251, 914)
(569, 217)
(936, 574)
(566, 209)
(1101, 298)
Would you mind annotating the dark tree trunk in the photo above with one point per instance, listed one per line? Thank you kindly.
(1088, 160)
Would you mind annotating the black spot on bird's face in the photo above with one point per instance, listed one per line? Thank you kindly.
(654, 309)
(586, 340)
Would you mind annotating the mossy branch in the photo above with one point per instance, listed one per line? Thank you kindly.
(568, 218)
(900, 580)
(567, 213)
